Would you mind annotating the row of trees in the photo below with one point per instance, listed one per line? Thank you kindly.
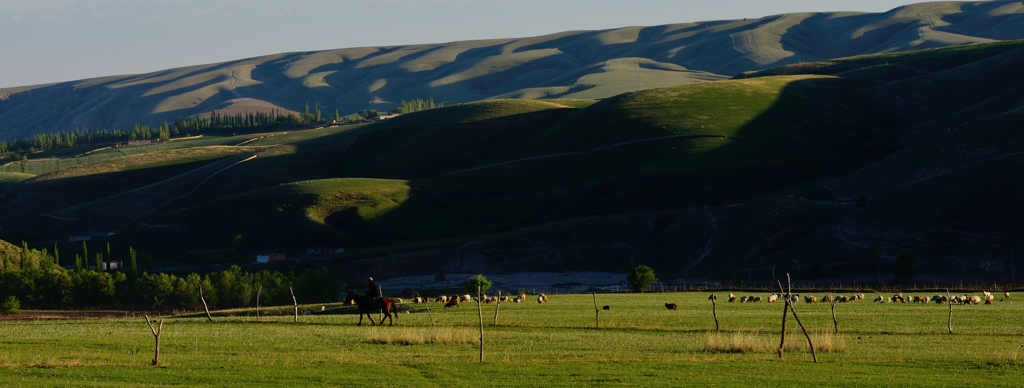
(416, 105)
(36, 280)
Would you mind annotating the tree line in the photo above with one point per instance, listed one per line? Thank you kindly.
(247, 122)
(36, 279)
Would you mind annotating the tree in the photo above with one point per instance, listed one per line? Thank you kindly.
(640, 277)
(133, 264)
(906, 266)
(478, 280)
(11, 306)
(337, 115)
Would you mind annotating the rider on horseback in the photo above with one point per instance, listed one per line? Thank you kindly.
(372, 291)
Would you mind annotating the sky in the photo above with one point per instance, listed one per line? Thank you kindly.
(45, 41)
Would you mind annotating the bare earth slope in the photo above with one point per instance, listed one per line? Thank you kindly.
(575, 64)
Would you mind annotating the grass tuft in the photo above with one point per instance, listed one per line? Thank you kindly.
(760, 343)
(421, 336)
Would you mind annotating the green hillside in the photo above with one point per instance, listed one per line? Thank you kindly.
(575, 64)
(828, 174)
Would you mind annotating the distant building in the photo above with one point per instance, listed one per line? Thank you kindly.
(324, 251)
(268, 257)
(385, 117)
(79, 237)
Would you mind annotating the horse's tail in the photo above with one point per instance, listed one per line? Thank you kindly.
(394, 309)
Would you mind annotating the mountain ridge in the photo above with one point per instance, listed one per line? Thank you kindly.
(571, 64)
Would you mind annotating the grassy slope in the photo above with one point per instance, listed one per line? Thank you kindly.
(639, 344)
(580, 64)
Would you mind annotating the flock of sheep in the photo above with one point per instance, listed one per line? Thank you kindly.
(988, 298)
(454, 300)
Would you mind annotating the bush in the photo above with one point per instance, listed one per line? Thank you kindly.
(478, 280)
(11, 306)
(640, 277)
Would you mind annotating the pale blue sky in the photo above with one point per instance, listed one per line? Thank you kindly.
(44, 41)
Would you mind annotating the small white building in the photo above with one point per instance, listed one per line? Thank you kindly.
(268, 257)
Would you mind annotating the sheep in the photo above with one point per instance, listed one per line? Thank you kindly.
(990, 299)
(323, 308)
(844, 299)
(545, 297)
(441, 299)
(671, 306)
(757, 299)
(1006, 295)
(606, 308)
(794, 298)
(974, 299)
(773, 298)
(810, 299)
(827, 299)
(732, 298)
(743, 299)
(396, 300)
(540, 298)
(940, 299)
(879, 299)
(522, 296)
(713, 297)
(503, 298)
(918, 298)
(516, 300)
(466, 298)
(417, 300)
(860, 296)
(452, 302)
(897, 298)
(987, 294)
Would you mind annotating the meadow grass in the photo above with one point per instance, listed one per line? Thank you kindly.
(554, 344)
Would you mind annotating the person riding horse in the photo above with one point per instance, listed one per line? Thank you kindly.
(372, 291)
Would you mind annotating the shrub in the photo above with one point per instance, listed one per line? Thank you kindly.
(478, 280)
(11, 305)
(640, 277)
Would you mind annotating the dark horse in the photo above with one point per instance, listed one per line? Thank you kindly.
(368, 305)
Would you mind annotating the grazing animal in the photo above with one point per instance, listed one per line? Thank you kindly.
(810, 299)
(465, 298)
(516, 300)
(542, 298)
(773, 298)
(843, 299)
(990, 299)
(369, 305)
(441, 299)
(671, 306)
(732, 298)
(452, 302)
(397, 300)
(522, 296)
(918, 298)
(827, 298)
(794, 298)
(606, 308)
(1006, 295)
(503, 299)
(975, 299)
(757, 299)
(879, 299)
(743, 299)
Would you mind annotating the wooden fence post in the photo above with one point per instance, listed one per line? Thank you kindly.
(597, 312)
(156, 336)
(714, 310)
(296, 303)
(949, 321)
(258, 292)
(835, 323)
(480, 314)
(209, 318)
(496, 307)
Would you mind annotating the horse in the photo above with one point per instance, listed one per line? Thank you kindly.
(368, 305)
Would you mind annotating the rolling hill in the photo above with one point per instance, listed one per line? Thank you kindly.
(575, 64)
(821, 169)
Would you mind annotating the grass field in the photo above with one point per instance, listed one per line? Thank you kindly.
(640, 343)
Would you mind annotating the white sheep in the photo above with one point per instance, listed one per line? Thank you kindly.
(773, 298)
(732, 298)
(743, 299)
(879, 299)
(466, 298)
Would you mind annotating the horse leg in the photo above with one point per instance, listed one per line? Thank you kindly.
(360, 319)
(370, 317)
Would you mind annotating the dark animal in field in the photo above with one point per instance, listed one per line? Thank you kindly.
(368, 305)
(732, 298)
(713, 297)
(671, 306)
(452, 302)
(607, 307)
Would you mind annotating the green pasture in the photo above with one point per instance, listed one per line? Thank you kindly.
(639, 343)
